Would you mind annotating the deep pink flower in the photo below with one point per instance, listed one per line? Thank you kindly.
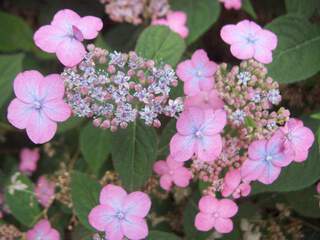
(249, 40)
(28, 160)
(231, 4)
(176, 21)
(39, 105)
(120, 214)
(266, 158)
(172, 172)
(204, 99)
(197, 73)
(198, 133)
(215, 214)
(299, 138)
(65, 34)
(44, 191)
(43, 231)
(234, 186)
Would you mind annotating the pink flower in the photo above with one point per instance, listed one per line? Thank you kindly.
(233, 185)
(249, 40)
(205, 100)
(231, 4)
(197, 73)
(299, 138)
(120, 214)
(266, 158)
(215, 214)
(44, 191)
(176, 21)
(28, 160)
(172, 172)
(43, 231)
(65, 34)
(198, 133)
(318, 187)
(39, 105)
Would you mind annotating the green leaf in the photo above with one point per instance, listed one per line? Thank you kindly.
(297, 175)
(247, 6)
(134, 151)
(305, 202)
(23, 203)
(158, 235)
(166, 135)
(95, 145)
(201, 14)
(85, 196)
(10, 66)
(15, 33)
(297, 56)
(304, 8)
(159, 43)
(71, 123)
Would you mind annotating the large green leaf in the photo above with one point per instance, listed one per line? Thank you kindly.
(134, 151)
(247, 6)
(304, 8)
(85, 196)
(95, 145)
(10, 65)
(15, 33)
(165, 138)
(71, 123)
(158, 235)
(23, 203)
(201, 15)
(297, 56)
(161, 44)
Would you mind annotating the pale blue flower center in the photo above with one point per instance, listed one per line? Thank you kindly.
(251, 39)
(198, 134)
(120, 215)
(268, 158)
(37, 105)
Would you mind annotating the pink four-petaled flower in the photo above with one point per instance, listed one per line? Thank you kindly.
(44, 191)
(197, 73)
(198, 133)
(215, 214)
(120, 214)
(39, 105)
(43, 231)
(234, 186)
(176, 21)
(232, 4)
(28, 160)
(172, 172)
(65, 34)
(249, 40)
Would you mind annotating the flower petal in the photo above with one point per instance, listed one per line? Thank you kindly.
(181, 177)
(58, 111)
(135, 228)
(267, 39)
(53, 235)
(185, 70)
(262, 54)
(223, 225)
(52, 87)
(252, 170)
(204, 222)
(208, 204)
(231, 182)
(48, 37)
(214, 122)
(209, 148)
(257, 150)
(182, 147)
(190, 119)
(137, 204)
(231, 34)
(113, 195)
(227, 208)
(89, 26)
(270, 174)
(114, 231)
(70, 52)
(64, 19)
(160, 167)
(19, 113)
(101, 216)
(166, 182)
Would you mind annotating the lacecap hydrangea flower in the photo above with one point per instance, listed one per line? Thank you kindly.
(44, 191)
(232, 4)
(28, 160)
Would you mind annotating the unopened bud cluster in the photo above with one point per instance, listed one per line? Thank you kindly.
(115, 89)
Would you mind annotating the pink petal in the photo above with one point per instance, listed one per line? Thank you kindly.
(223, 225)
(200, 58)
(209, 69)
(89, 26)
(267, 39)
(227, 208)
(26, 85)
(245, 189)
(182, 147)
(135, 228)
(177, 18)
(19, 113)
(52, 87)
(242, 50)
(114, 231)
(43, 225)
(172, 164)
(262, 54)
(257, 150)
(160, 167)
(40, 128)
(189, 120)
(53, 235)
(185, 70)
(209, 148)
(214, 122)
(70, 52)
(64, 19)
(166, 182)
(270, 174)
(101, 216)
(192, 87)
(252, 170)
(231, 182)
(302, 139)
(113, 196)
(181, 177)
(208, 204)
(206, 83)
(57, 110)
(204, 222)
(137, 204)
(231, 34)
(47, 38)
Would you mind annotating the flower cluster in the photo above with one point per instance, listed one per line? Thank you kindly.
(128, 87)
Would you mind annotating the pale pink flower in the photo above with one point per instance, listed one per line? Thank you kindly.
(171, 172)
(266, 158)
(44, 191)
(318, 187)
(249, 40)
(176, 21)
(197, 73)
(28, 160)
(120, 214)
(38, 105)
(215, 214)
(234, 186)
(231, 4)
(43, 231)
(204, 99)
(65, 34)
(299, 138)
(198, 133)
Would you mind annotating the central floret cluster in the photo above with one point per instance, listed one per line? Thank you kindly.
(117, 88)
